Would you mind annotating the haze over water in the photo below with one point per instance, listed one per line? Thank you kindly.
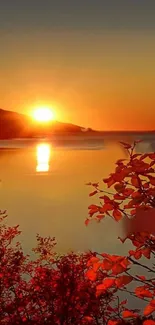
(43, 189)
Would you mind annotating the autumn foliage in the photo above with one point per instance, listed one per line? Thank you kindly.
(130, 195)
(86, 288)
(51, 289)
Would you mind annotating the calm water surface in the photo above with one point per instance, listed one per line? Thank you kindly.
(43, 189)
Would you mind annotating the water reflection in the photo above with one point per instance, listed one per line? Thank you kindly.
(43, 157)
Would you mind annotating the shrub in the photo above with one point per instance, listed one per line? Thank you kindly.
(52, 289)
(131, 196)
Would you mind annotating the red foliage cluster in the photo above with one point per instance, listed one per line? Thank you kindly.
(133, 197)
(133, 185)
(51, 289)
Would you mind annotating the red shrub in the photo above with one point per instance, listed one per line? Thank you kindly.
(132, 198)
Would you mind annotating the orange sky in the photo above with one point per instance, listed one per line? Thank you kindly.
(102, 79)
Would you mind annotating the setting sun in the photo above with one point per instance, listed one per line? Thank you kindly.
(43, 115)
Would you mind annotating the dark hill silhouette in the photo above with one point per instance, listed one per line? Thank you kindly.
(15, 125)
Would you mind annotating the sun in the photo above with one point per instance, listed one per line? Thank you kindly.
(43, 114)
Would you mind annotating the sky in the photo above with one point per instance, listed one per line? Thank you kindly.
(91, 61)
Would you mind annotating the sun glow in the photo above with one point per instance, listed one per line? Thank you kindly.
(43, 114)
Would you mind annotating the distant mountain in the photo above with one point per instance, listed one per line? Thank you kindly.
(15, 125)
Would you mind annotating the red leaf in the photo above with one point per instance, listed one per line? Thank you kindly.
(106, 265)
(88, 318)
(136, 194)
(93, 211)
(125, 262)
(149, 309)
(117, 269)
(142, 292)
(93, 193)
(87, 222)
(137, 254)
(152, 156)
(119, 176)
(133, 212)
(123, 302)
(149, 322)
(146, 252)
(105, 198)
(146, 185)
(91, 275)
(93, 260)
(119, 187)
(128, 191)
(126, 145)
(152, 180)
(100, 216)
(152, 163)
(96, 266)
(116, 258)
(134, 181)
(107, 283)
(123, 280)
(106, 207)
(111, 182)
(117, 215)
(141, 277)
(93, 207)
(128, 314)
(116, 322)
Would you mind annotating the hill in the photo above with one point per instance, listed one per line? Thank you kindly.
(15, 125)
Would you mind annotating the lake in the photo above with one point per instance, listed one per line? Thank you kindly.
(43, 188)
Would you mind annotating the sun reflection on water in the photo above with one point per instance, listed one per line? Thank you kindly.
(43, 157)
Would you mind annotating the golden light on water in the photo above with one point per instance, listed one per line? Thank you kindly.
(43, 157)
(43, 114)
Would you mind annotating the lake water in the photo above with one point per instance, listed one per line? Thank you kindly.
(43, 189)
